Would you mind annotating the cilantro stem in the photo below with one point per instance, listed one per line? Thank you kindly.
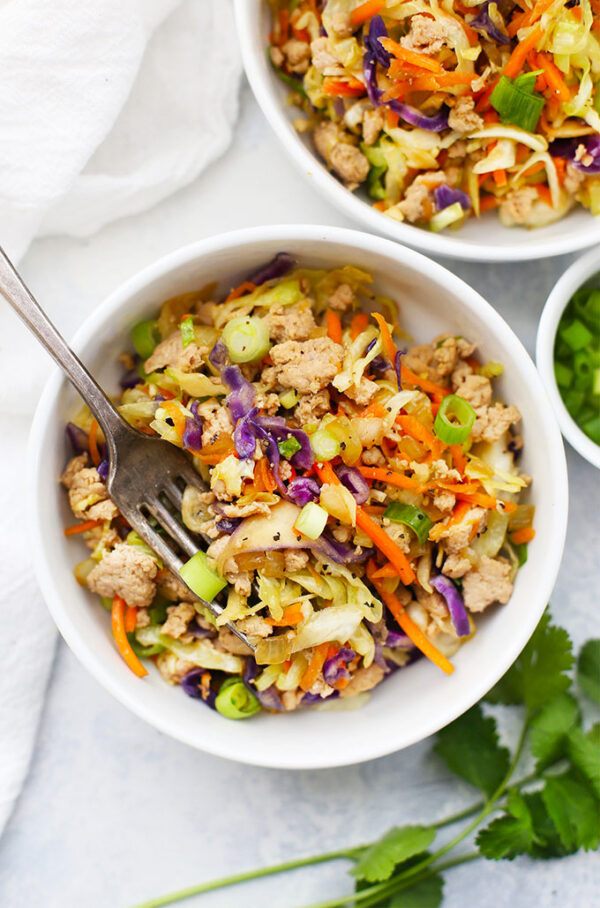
(180, 894)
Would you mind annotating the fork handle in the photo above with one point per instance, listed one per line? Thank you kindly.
(28, 309)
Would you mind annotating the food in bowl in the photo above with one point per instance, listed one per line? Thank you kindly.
(577, 360)
(360, 503)
(444, 113)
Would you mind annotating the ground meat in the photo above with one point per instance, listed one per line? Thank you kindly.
(456, 538)
(322, 58)
(334, 146)
(297, 55)
(445, 355)
(363, 679)
(457, 150)
(110, 538)
(179, 617)
(172, 588)
(420, 360)
(490, 582)
(276, 56)
(270, 403)
(363, 393)
(255, 626)
(291, 699)
(456, 566)
(287, 323)
(428, 35)
(242, 581)
(399, 533)
(127, 572)
(244, 510)
(285, 470)
(433, 603)
(88, 496)
(172, 668)
(216, 421)
(463, 118)
(373, 457)
(439, 469)
(311, 407)
(171, 352)
(444, 501)
(573, 179)
(232, 643)
(515, 207)
(372, 125)
(493, 422)
(308, 367)
(417, 204)
(342, 533)
(476, 390)
(459, 374)
(142, 618)
(341, 298)
(295, 560)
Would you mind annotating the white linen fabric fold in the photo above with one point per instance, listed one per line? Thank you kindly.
(106, 107)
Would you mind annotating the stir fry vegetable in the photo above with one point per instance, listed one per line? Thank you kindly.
(577, 360)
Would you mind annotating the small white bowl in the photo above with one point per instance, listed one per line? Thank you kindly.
(413, 703)
(480, 239)
(576, 276)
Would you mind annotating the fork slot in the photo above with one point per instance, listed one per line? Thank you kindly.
(173, 493)
(157, 543)
(190, 477)
(170, 523)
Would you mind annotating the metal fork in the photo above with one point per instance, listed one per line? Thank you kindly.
(145, 474)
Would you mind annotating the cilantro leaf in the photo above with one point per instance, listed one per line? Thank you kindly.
(426, 894)
(550, 728)
(470, 747)
(546, 843)
(399, 843)
(509, 835)
(585, 757)
(588, 669)
(537, 676)
(574, 811)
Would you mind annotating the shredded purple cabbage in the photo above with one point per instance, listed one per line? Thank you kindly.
(379, 364)
(192, 435)
(276, 426)
(567, 148)
(444, 196)
(398, 641)
(378, 30)
(302, 490)
(437, 123)
(353, 480)
(130, 379)
(312, 699)
(244, 437)
(339, 552)
(334, 669)
(78, 438)
(277, 267)
(191, 684)
(102, 469)
(219, 355)
(198, 631)
(268, 698)
(456, 606)
(228, 524)
(483, 22)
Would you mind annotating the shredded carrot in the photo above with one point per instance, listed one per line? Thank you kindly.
(130, 618)
(381, 474)
(366, 11)
(487, 203)
(524, 20)
(93, 443)
(314, 666)
(544, 194)
(284, 26)
(82, 527)
(415, 428)
(358, 324)
(340, 88)
(377, 535)
(458, 458)
(561, 169)
(176, 415)
(211, 460)
(486, 501)
(334, 326)
(244, 287)
(384, 573)
(291, 615)
(386, 337)
(521, 536)
(263, 476)
(428, 386)
(120, 635)
(556, 83)
(410, 56)
(409, 627)
(535, 168)
(519, 54)
(391, 120)
(373, 410)
(458, 514)
(431, 82)
(500, 178)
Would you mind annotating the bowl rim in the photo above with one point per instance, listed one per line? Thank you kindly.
(43, 428)
(353, 206)
(570, 281)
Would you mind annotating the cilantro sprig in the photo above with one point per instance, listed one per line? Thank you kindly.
(551, 812)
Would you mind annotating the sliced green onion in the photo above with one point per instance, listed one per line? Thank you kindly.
(563, 375)
(246, 338)
(235, 701)
(454, 420)
(375, 186)
(521, 552)
(583, 364)
(289, 399)
(491, 369)
(446, 216)
(145, 337)
(134, 539)
(289, 447)
(188, 334)
(158, 611)
(516, 102)
(410, 516)
(576, 335)
(311, 520)
(144, 652)
(573, 401)
(591, 427)
(324, 445)
(596, 382)
(106, 602)
(201, 578)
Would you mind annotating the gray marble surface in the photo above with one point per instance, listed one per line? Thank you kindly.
(114, 812)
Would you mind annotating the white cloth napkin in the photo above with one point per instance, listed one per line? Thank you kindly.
(106, 107)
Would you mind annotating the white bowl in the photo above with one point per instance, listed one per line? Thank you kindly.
(576, 276)
(413, 703)
(481, 239)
